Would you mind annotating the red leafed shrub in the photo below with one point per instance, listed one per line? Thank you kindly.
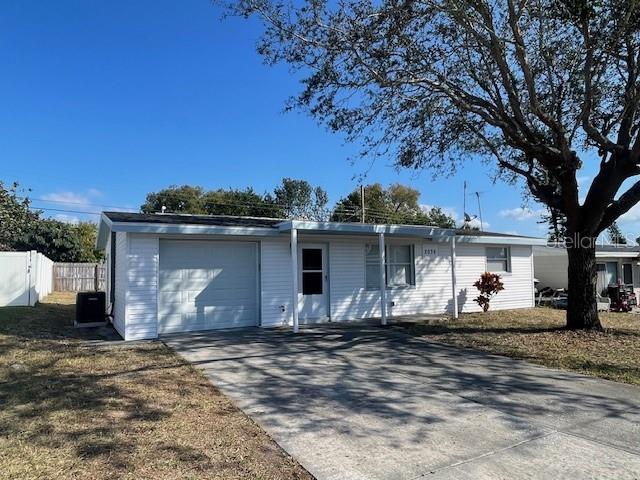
(488, 285)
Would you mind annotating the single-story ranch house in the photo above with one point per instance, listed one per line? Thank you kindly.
(614, 263)
(170, 273)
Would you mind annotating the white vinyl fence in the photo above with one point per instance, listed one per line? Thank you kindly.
(25, 278)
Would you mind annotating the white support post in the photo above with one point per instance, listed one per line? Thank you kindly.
(383, 285)
(454, 287)
(294, 278)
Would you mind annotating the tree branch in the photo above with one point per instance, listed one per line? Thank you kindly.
(619, 207)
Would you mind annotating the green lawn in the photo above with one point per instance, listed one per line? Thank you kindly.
(537, 335)
(71, 411)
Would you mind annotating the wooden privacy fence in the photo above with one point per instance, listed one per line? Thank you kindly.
(77, 277)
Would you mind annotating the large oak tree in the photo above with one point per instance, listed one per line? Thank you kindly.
(537, 86)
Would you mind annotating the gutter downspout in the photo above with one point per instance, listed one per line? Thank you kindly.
(454, 287)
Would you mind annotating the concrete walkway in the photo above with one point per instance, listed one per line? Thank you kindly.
(372, 403)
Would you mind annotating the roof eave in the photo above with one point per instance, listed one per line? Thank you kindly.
(191, 229)
(104, 228)
(366, 229)
(501, 240)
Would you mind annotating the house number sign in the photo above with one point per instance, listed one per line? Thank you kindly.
(429, 251)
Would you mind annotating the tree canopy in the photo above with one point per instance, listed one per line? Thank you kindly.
(539, 87)
(15, 215)
(536, 87)
(22, 228)
(395, 204)
(298, 199)
(290, 199)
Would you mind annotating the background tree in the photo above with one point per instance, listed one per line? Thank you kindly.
(87, 233)
(615, 235)
(15, 215)
(438, 218)
(57, 240)
(240, 202)
(349, 208)
(538, 87)
(298, 199)
(396, 204)
(291, 199)
(176, 199)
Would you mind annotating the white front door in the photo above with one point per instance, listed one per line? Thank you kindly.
(312, 281)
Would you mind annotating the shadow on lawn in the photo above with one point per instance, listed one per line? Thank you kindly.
(57, 394)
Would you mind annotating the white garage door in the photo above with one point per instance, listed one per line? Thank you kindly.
(205, 285)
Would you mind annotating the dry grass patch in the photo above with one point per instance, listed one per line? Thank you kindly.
(537, 335)
(70, 411)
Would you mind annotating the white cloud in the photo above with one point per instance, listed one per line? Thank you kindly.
(631, 216)
(68, 198)
(520, 213)
(451, 211)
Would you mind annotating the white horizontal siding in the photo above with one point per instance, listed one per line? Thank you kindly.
(137, 264)
(142, 287)
(432, 293)
(350, 299)
(550, 267)
(518, 284)
(275, 281)
(120, 290)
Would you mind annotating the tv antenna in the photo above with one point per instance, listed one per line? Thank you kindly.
(467, 218)
(477, 194)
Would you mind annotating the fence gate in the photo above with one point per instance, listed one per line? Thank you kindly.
(78, 277)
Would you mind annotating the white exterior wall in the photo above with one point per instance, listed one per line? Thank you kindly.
(137, 265)
(471, 262)
(348, 297)
(432, 293)
(142, 287)
(120, 292)
(551, 264)
(107, 275)
(550, 267)
(275, 282)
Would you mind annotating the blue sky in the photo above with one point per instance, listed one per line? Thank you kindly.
(102, 102)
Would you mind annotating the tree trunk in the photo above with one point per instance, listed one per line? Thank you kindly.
(582, 311)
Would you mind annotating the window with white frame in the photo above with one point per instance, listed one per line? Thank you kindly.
(399, 266)
(498, 259)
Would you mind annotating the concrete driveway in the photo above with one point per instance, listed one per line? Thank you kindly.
(366, 402)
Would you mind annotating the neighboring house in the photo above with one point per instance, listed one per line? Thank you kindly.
(174, 273)
(614, 263)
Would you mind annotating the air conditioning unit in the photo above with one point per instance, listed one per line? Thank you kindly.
(90, 309)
